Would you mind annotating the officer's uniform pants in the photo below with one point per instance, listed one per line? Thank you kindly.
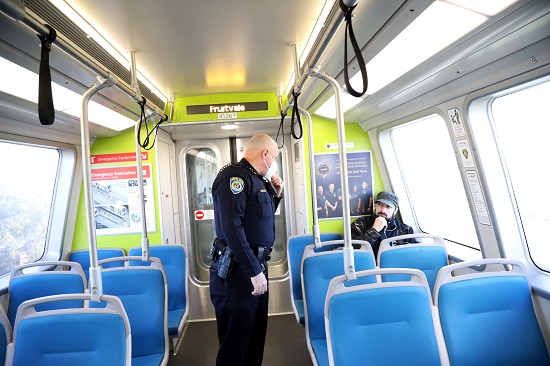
(241, 318)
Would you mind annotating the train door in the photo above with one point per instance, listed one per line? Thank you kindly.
(198, 164)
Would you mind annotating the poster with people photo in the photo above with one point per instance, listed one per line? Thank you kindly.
(328, 184)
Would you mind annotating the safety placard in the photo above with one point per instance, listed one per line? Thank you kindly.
(117, 200)
(478, 198)
(456, 122)
(201, 215)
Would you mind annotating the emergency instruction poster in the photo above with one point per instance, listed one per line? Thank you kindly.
(117, 202)
(328, 184)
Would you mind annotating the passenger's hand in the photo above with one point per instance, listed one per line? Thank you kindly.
(277, 183)
(380, 223)
(260, 284)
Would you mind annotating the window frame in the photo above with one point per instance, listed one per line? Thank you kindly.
(393, 179)
(504, 210)
(58, 235)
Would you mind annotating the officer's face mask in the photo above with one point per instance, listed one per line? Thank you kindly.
(271, 170)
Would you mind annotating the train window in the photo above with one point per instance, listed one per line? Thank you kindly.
(201, 170)
(433, 181)
(26, 197)
(522, 125)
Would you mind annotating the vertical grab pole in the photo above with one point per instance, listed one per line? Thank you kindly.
(315, 226)
(296, 89)
(144, 238)
(139, 167)
(96, 287)
(349, 264)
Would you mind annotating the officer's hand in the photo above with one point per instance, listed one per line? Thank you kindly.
(380, 223)
(260, 284)
(277, 183)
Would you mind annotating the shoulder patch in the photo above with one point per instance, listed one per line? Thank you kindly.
(236, 184)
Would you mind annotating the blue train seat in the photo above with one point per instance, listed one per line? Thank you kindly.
(67, 337)
(82, 256)
(429, 257)
(488, 317)
(175, 263)
(318, 269)
(5, 334)
(27, 282)
(383, 323)
(295, 250)
(143, 292)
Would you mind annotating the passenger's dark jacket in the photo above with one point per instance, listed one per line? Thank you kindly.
(361, 229)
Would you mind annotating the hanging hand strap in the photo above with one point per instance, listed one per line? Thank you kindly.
(46, 111)
(281, 131)
(349, 28)
(296, 113)
(146, 143)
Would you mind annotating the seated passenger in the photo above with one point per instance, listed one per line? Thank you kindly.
(382, 223)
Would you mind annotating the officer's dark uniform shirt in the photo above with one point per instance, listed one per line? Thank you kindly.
(332, 198)
(244, 213)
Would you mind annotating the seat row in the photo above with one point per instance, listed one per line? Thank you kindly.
(428, 256)
(175, 264)
(387, 315)
(152, 296)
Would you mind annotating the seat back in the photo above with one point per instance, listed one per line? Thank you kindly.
(174, 261)
(143, 292)
(318, 269)
(488, 317)
(425, 256)
(5, 334)
(27, 282)
(82, 257)
(383, 323)
(295, 250)
(66, 337)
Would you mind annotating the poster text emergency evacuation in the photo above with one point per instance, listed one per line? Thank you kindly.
(117, 203)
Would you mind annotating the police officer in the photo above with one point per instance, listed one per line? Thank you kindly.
(245, 202)
(382, 224)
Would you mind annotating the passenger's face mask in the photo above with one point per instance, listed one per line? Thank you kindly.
(271, 170)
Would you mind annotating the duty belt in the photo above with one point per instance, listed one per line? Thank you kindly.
(262, 253)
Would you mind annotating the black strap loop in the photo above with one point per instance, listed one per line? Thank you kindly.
(347, 16)
(296, 112)
(281, 130)
(46, 111)
(143, 120)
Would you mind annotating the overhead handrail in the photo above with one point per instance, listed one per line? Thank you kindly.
(96, 287)
(35, 24)
(349, 266)
(334, 20)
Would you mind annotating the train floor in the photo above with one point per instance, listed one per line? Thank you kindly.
(285, 344)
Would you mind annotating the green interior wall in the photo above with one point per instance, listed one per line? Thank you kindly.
(123, 143)
(354, 133)
(126, 143)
